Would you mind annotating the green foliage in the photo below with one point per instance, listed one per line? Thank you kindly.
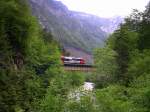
(105, 61)
(85, 104)
(79, 32)
(58, 91)
(15, 24)
(134, 20)
(144, 40)
(23, 52)
(51, 102)
(31, 79)
(89, 77)
(19, 89)
(140, 92)
(125, 43)
(114, 99)
(122, 74)
(106, 66)
(76, 79)
(131, 44)
(139, 65)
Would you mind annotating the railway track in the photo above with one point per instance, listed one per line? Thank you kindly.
(79, 67)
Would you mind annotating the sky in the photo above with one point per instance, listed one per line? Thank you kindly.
(106, 8)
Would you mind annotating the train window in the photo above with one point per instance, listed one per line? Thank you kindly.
(76, 59)
(66, 59)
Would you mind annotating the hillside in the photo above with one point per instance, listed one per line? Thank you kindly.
(33, 78)
(74, 29)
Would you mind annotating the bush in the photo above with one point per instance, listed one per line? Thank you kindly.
(85, 104)
(140, 92)
(106, 66)
(114, 99)
(139, 65)
(75, 78)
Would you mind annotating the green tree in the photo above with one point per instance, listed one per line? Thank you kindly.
(106, 66)
(22, 49)
(144, 40)
(125, 44)
(114, 99)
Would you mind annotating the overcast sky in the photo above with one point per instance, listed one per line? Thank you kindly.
(106, 8)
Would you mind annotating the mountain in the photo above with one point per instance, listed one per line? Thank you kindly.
(109, 25)
(75, 29)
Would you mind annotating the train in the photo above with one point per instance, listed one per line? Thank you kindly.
(72, 60)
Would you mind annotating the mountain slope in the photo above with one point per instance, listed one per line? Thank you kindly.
(75, 29)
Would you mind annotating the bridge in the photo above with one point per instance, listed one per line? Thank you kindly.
(79, 67)
(67, 67)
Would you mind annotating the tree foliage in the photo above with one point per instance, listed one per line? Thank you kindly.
(106, 66)
(31, 77)
(131, 44)
(32, 80)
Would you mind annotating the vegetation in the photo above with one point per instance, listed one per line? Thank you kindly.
(106, 66)
(70, 28)
(129, 90)
(32, 80)
(31, 77)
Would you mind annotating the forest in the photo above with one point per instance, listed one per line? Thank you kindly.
(33, 80)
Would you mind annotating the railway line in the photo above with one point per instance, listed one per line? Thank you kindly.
(79, 67)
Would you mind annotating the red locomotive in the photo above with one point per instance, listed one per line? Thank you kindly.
(72, 60)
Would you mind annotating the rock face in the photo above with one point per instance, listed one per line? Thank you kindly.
(73, 29)
(70, 28)
(111, 24)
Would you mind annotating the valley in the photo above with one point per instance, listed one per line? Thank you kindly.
(75, 29)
